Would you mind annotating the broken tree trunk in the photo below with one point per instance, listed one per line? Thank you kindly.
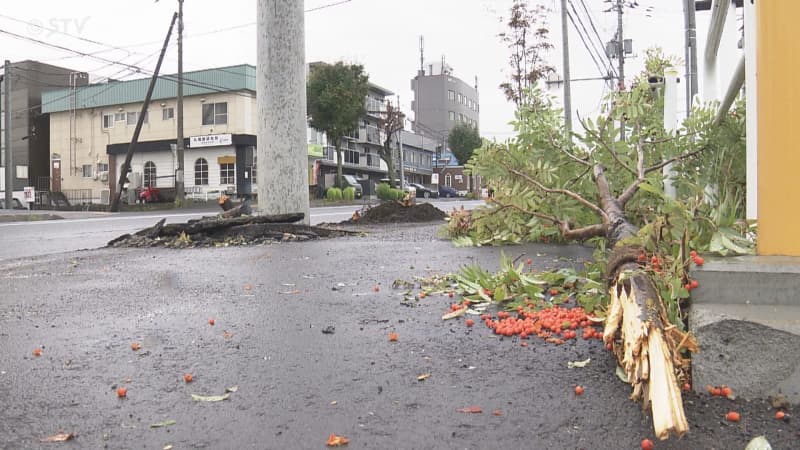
(231, 210)
(646, 344)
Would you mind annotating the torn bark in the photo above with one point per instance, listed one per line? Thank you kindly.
(646, 345)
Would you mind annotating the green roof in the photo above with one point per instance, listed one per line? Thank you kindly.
(209, 81)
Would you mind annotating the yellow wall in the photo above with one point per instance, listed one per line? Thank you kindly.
(778, 68)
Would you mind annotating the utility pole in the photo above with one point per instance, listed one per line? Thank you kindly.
(9, 157)
(621, 62)
(114, 207)
(281, 101)
(400, 137)
(567, 90)
(691, 52)
(179, 185)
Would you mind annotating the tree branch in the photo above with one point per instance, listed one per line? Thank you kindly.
(605, 146)
(574, 157)
(675, 159)
(579, 234)
(566, 192)
(634, 187)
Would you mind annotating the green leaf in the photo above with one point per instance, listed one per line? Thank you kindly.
(730, 245)
(163, 424)
(211, 398)
(584, 363)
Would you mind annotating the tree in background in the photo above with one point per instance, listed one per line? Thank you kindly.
(390, 122)
(527, 38)
(335, 96)
(463, 140)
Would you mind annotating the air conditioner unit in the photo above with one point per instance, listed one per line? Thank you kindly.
(104, 176)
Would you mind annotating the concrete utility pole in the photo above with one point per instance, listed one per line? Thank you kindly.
(179, 185)
(9, 162)
(402, 159)
(281, 98)
(691, 52)
(670, 123)
(565, 51)
(620, 62)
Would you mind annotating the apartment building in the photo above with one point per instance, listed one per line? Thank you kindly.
(91, 128)
(29, 127)
(441, 101)
(360, 149)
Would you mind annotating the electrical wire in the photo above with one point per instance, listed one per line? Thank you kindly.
(585, 36)
(134, 68)
(597, 64)
(597, 35)
(327, 6)
(36, 25)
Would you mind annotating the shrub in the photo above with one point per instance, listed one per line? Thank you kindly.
(399, 194)
(333, 194)
(384, 192)
(349, 193)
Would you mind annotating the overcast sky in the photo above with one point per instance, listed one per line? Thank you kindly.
(383, 35)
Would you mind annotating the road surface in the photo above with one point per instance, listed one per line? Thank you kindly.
(26, 239)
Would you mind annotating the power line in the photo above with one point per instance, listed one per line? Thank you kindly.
(584, 37)
(599, 68)
(597, 35)
(328, 5)
(53, 30)
(132, 67)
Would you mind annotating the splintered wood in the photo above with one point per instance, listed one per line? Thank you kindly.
(648, 348)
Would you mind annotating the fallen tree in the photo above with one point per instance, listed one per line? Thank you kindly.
(212, 231)
(594, 187)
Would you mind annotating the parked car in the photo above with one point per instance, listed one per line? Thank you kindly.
(447, 191)
(423, 191)
(16, 204)
(351, 181)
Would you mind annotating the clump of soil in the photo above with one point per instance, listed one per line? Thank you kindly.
(394, 212)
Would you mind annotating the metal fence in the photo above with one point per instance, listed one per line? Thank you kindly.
(78, 196)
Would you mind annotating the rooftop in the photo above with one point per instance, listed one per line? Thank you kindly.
(208, 81)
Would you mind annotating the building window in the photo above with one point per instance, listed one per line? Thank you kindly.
(102, 167)
(460, 98)
(167, 113)
(451, 95)
(448, 180)
(149, 174)
(451, 115)
(215, 113)
(460, 117)
(119, 117)
(254, 167)
(108, 121)
(351, 157)
(227, 174)
(86, 171)
(133, 117)
(201, 172)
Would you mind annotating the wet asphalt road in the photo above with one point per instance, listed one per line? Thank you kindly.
(79, 231)
(296, 384)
